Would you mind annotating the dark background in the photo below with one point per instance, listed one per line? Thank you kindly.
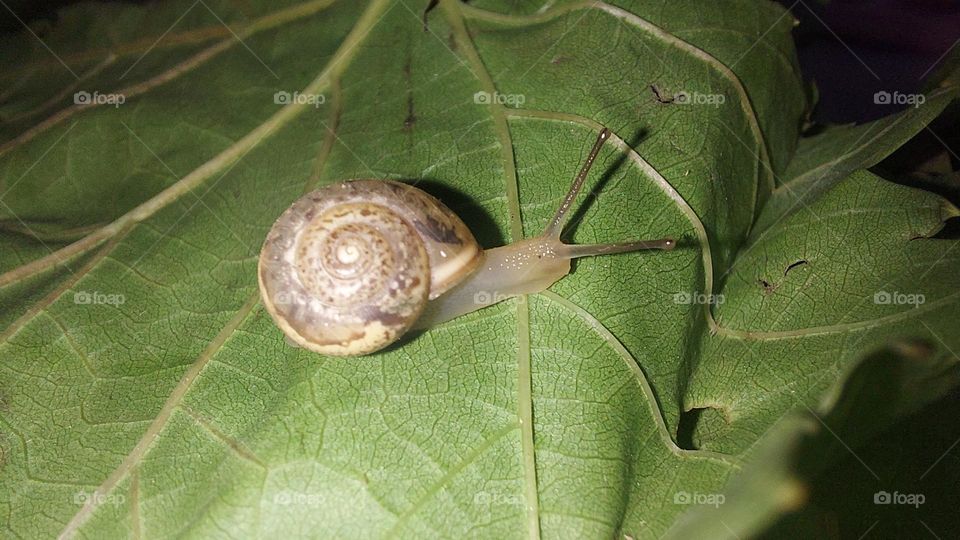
(854, 48)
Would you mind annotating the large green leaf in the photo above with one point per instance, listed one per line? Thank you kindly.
(144, 390)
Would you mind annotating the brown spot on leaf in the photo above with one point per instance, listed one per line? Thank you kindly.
(767, 286)
(411, 118)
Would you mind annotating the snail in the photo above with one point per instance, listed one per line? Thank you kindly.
(349, 268)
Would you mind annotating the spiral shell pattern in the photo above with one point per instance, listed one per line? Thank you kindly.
(347, 269)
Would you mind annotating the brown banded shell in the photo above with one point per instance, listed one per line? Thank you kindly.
(347, 269)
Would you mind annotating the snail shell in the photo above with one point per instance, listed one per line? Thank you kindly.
(348, 268)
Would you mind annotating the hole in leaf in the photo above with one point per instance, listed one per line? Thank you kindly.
(660, 96)
(801, 262)
(686, 428)
(950, 230)
(699, 426)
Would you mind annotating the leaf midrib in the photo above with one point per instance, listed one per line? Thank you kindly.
(454, 17)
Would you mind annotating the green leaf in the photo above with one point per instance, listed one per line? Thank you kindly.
(854, 269)
(827, 158)
(144, 391)
(791, 458)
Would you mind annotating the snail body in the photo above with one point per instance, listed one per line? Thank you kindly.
(349, 268)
